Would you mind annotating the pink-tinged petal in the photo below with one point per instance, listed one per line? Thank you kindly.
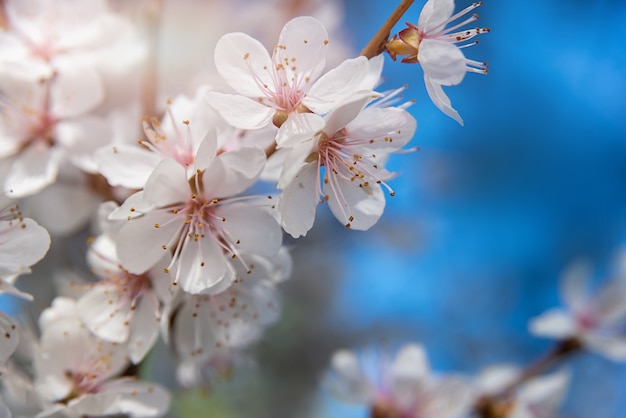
(239, 111)
(302, 47)
(140, 242)
(76, 90)
(144, 330)
(388, 129)
(202, 267)
(251, 229)
(442, 62)
(126, 165)
(233, 172)
(35, 168)
(343, 115)
(104, 314)
(298, 202)
(23, 244)
(439, 98)
(244, 63)
(167, 185)
(434, 13)
(337, 86)
(297, 128)
(360, 207)
(347, 380)
(9, 338)
(138, 399)
(206, 151)
(553, 323)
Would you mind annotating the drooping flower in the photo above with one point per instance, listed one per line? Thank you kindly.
(402, 388)
(198, 219)
(346, 156)
(286, 88)
(597, 320)
(434, 46)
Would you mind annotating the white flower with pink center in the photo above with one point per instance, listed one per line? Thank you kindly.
(343, 165)
(595, 319)
(77, 374)
(198, 220)
(286, 88)
(123, 307)
(177, 136)
(438, 49)
(403, 387)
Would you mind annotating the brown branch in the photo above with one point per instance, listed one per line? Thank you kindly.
(377, 43)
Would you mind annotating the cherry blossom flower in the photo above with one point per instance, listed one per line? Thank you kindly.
(286, 88)
(538, 397)
(77, 374)
(596, 320)
(198, 220)
(351, 150)
(123, 307)
(186, 124)
(209, 329)
(403, 388)
(433, 45)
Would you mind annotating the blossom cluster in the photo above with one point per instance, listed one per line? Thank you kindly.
(183, 243)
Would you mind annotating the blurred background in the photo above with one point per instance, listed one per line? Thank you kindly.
(485, 217)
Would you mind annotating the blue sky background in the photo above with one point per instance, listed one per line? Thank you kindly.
(486, 216)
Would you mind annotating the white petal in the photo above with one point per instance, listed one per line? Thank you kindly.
(449, 397)
(75, 90)
(126, 165)
(206, 151)
(545, 392)
(134, 206)
(81, 137)
(251, 228)
(202, 267)
(144, 329)
(139, 399)
(239, 111)
(372, 79)
(439, 98)
(104, 313)
(337, 85)
(167, 185)
(298, 202)
(554, 323)
(390, 128)
(434, 13)
(612, 347)
(302, 43)
(35, 168)
(574, 286)
(409, 374)
(297, 128)
(9, 338)
(22, 245)
(443, 62)
(347, 379)
(364, 204)
(244, 63)
(346, 113)
(233, 172)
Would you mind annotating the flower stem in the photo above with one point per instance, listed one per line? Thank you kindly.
(377, 43)
(497, 406)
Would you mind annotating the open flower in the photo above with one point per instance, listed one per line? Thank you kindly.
(285, 88)
(197, 219)
(597, 320)
(347, 156)
(434, 46)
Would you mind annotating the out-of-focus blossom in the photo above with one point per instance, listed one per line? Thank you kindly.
(433, 45)
(597, 320)
(402, 388)
(348, 156)
(538, 397)
(76, 374)
(286, 88)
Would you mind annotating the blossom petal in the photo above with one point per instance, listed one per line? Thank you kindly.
(439, 98)
(443, 62)
(388, 129)
(239, 111)
(35, 168)
(244, 63)
(251, 228)
(144, 330)
(337, 85)
(297, 128)
(344, 114)
(23, 244)
(554, 323)
(76, 90)
(233, 172)
(302, 47)
(434, 13)
(298, 202)
(202, 267)
(347, 379)
(356, 207)
(167, 185)
(126, 165)
(9, 338)
(612, 347)
(104, 313)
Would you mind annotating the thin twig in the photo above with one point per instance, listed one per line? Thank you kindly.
(377, 43)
